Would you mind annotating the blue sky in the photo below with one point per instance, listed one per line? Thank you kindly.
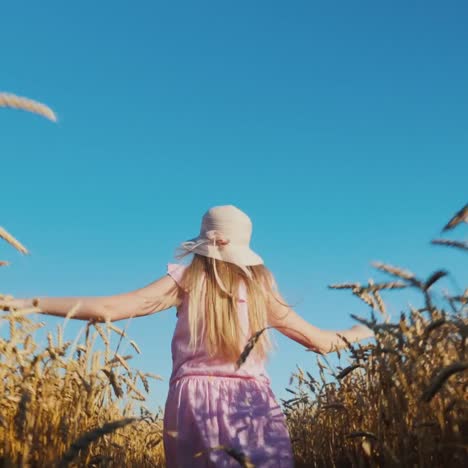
(339, 127)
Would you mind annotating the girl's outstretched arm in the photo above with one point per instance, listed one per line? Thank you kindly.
(292, 325)
(160, 295)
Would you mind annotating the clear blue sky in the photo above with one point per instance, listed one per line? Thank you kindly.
(339, 127)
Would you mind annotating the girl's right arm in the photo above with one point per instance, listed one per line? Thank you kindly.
(160, 295)
(292, 325)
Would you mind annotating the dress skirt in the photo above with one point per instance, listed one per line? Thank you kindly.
(209, 421)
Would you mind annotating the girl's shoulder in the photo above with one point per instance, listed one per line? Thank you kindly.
(176, 271)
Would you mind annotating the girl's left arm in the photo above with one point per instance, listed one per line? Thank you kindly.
(160, 295)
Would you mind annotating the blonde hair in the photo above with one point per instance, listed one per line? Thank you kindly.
(213, 317)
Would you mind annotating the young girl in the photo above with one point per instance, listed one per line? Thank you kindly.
(218, 405)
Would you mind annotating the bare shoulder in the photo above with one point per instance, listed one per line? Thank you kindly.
(159, 295)
(161, 286)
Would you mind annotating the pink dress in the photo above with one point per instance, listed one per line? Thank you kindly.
(211, 404)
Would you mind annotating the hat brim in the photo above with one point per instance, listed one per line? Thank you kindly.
(231, 253)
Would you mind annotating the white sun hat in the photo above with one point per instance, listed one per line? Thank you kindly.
(225, 235)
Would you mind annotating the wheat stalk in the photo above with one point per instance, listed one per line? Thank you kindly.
(451, 243)
(12, 241)
(17, 102)
(91, 436)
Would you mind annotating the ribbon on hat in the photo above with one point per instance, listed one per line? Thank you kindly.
(217, 237)
(218, 240)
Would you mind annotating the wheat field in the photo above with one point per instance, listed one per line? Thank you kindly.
(69, 404)
(401, 401)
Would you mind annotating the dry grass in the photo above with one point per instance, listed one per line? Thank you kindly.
(5, 235)
(400, 401)
(17, 102)
(66, 402)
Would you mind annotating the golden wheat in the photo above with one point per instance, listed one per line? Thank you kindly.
(12, 241)
(400, 401)
(17, 102)
(460, 217)
(59, 394)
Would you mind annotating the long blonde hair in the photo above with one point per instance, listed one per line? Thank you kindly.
(213, 316)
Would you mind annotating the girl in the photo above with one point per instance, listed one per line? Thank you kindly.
(218, 406)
